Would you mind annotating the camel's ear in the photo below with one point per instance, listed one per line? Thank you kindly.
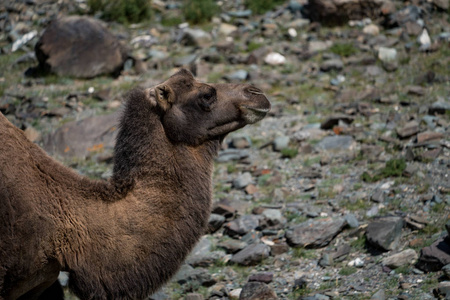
(150, 95)
(164, 96)
(161, 95)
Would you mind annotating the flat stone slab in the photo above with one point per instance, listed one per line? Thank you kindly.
(315, 234)
(336, 143)
(406, 257)
(251, 255)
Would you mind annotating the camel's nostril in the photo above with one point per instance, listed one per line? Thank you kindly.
(254, 90)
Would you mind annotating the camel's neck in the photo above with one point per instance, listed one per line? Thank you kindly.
(163, 212)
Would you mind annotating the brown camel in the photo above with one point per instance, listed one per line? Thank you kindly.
(125, 237)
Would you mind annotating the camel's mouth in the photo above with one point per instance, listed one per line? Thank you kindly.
(253, 114)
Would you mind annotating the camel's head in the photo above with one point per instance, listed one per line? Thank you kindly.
(193, 112)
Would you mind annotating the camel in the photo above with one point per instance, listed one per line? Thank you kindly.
(121, 238)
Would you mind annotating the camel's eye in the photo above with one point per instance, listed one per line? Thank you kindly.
(206, 100)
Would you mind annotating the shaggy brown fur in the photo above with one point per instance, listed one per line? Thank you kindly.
(122, 238)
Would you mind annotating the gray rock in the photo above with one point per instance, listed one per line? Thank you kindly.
(240, 142)
(384, 233)
(337, 143)
(436, 256)
(274, 59)
(243, 180)
(252, 237)
(23, 40)
(240, 13)
(274, 216)
(159, 295)
(442, 4)
(387, 54)
(378, 196)
(63, 278)
(185, 60)
(410, 170)
(79, 138)
(227, 29)
(373, 211)
(317, 46)
(314, 234)
(410, 13)
(79, 47)
(265, 277)
(341, 252)
(334, 120)
(332, 64)
(351, 220)
(406, 257)
(257, 291)
(298, 23)
(279, 248)
(447, 226)
(251, 255)
(202, 256)
(237, 76)
(232, 154)
(439, 107)
(281, 142)
(224, 210)
(232, 246)
(215, 222)
(408, 130)
(194, 296)
(379, 295)
(446, 270)
(326, 260)
(196, 277)
(195, 37)
(443, 289)
(242, 225)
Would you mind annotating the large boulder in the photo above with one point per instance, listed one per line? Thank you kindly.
(79, 46)
(339, 11)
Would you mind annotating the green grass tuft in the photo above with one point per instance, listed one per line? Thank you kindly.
(343, 49)
(393, 168)
(199, 11)
(122, 11)
(260, 7)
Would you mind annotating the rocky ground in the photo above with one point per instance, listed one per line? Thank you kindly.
(343, 192)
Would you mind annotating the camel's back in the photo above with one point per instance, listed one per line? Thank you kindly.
(31, 183)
